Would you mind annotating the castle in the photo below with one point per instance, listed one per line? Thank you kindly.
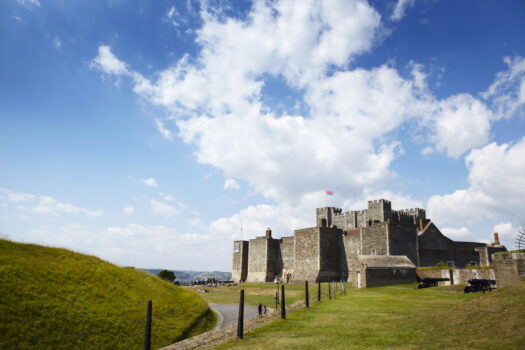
(371, 247)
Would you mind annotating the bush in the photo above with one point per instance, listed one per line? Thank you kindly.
(167, 275)
(442, 265)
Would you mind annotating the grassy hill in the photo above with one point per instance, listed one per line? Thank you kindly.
(400, 317)
(57, 299)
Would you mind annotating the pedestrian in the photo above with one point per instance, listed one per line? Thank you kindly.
(259, 307)
(265, 310)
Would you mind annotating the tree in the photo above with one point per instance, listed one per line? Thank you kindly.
(167, 275)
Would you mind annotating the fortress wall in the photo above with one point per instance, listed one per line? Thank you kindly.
(330, 239)
(257, 265)
(273, 262)
(340, 220)
(403, 241)
(465, 253)
(509, 268)
(307, 255)
(376, 277)
(240, 260)
(349, 250)
(362, 218)
(287, 245)
(374, 237)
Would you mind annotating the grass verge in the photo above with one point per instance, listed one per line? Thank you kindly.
(400, 317)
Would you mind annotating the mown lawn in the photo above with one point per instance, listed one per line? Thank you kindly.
(57, 299)
(400, 317)
(264, 293)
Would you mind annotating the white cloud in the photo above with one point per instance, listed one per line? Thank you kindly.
(29, 2)
(496, 187)
(505, 94)
(458, 234)
(461, 124)
(57, 42)
(108, 63)
(231, 184)
(163, 131)
(18, 18)
(400, 8)
(215, 101)
(42, 204)
(163, 208)
(129, 210)
(150, 182)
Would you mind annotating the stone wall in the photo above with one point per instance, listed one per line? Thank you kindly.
(403, 240)
(509, 268)
(374, 237)
(384, 276)
(240, 260)
(330, 240)
(257, 259)
(274, 260)
(307, 255)
(287, 246)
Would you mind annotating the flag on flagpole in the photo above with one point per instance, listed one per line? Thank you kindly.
(329, 193)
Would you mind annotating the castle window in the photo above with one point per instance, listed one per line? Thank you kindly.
(237, 247)
(373, 252)
(323, 222)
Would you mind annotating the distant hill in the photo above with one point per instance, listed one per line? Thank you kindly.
(57, 299)
(186, 276)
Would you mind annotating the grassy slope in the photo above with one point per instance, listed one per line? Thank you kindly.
(397, 318)
(54, 298)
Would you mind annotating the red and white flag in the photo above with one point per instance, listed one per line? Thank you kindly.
(330, 193)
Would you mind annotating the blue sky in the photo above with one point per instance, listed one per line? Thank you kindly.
(149, 133)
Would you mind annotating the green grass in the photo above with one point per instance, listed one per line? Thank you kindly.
(57, 299)
(264, 293)
(400, 317)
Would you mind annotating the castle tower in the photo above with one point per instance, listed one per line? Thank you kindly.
(240, 261)
(325, 216)
(379, 210)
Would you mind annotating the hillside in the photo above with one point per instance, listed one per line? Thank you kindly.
(53, 298)
(188, 275)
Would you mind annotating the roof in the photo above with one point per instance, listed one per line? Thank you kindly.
(397, 261)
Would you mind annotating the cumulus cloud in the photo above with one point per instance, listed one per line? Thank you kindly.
(42, 204)
(346, 141)
(400, 8)
(150, 182)
(496, 187)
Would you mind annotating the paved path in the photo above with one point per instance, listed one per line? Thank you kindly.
(228, 314)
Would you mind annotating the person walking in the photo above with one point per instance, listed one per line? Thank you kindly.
(259, 307)
(265, 310)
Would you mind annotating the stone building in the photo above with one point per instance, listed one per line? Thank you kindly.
(371, 247)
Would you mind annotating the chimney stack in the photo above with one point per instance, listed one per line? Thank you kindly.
(496, 239)
(268, 233)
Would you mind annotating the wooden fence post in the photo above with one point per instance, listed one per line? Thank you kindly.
(240, 318)
(283, 303)
(306, 292)
(147, 337)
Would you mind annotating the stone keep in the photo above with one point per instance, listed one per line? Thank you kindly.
(374, 246)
